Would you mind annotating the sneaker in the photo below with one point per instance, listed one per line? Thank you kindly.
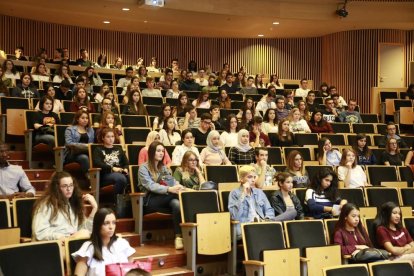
(179, 243)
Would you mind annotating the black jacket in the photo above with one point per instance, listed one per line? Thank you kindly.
(279, 204)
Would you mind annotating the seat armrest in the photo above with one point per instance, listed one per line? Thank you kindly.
(95, 170)
(253, 262)
(189, 224)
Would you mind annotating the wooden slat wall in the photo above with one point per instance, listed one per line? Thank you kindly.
(350, 61)
(347, 60)
(290, 58)
(410, 55)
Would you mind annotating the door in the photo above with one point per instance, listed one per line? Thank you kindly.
(391, 65)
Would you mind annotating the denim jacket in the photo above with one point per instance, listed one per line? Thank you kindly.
(239, 206)
(72, 136)
(148, 184)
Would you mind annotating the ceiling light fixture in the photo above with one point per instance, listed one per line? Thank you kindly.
(275, 23)
(260, 35)
(125, 9)
(106, 22)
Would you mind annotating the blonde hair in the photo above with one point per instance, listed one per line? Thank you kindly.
(245, 170)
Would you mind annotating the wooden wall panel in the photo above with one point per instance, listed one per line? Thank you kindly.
(410, 57)
(347, 60)
(350, 61)
(290, 58)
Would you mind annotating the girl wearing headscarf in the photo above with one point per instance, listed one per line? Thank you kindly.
(213, 154)
(143, 153)
(243, 153)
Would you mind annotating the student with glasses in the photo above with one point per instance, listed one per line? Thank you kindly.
(189, 174)
(60, 212)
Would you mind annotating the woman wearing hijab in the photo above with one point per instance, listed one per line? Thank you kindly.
(243, 153)
(143, 153)
(213, 154)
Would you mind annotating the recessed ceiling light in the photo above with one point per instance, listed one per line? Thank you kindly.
(106, 22)
(145, 21)
(125, 9)
(260, 35)
(275, 23)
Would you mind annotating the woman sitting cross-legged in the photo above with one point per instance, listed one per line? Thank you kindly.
(112, 161)
(104, 247)
(213, 154)
(161, 189)
(189, 174)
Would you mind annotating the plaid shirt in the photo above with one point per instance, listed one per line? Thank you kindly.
(241, 158)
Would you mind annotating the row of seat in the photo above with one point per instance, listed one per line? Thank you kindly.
(302, 248)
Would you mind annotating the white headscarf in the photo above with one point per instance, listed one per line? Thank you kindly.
(240, 146)
(211, 147)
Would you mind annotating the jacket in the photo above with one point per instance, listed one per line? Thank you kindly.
(279, 204)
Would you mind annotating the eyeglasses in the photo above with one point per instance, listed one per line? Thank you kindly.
(70, 186)
(192, 160)
(107, 104)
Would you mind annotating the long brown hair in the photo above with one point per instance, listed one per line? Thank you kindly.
(96, 239)
(154, 169)
(54, 199)
(291, 161)
(365, 151)
(359, 230)
(138, 108)
(289, 135)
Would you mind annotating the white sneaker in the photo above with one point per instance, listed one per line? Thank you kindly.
(179, 243)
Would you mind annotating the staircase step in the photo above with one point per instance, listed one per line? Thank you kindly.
(173, 271)
(133, 238)
(125, 225)
(39, 174)
(16, 155)
(23, 163)
(163, 253)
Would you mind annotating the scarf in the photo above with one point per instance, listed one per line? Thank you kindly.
(211, 147)
(240, 146)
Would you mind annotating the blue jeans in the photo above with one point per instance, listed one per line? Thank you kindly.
(119, 180)
(47, 139)
(165, 204)
(81, 159)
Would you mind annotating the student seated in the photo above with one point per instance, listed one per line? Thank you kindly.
(243, 153)
(326, 154)
(104, 247)
(284, 202)
(59, 213)
(350, 172)
(161, 189)
(321, 198)
(14, 181)
(112, 161)
(214, 154)
(349, 233)
(391, 235)
(189, 174)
